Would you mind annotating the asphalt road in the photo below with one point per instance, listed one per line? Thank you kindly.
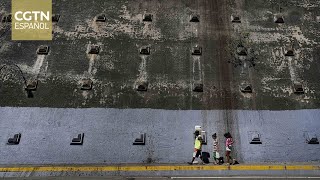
(167, 178)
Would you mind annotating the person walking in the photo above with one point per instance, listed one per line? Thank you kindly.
(215, 151)
(197, 149)
(229, 146)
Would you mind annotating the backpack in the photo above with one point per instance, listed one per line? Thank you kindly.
(221, 161)
(205, 157)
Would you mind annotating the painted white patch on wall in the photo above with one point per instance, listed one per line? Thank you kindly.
(37, 65)
(196, 68)
(292, 70)
(143, 75)
(91, 63)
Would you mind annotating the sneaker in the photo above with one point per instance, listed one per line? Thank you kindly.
(190, 163)
(233, 161)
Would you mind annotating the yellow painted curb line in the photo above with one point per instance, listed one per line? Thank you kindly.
(158, 168)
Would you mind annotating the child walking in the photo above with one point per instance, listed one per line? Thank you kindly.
(197, 149)
(229, 143)
(215, 151)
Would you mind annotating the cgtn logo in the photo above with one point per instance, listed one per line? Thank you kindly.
(32, 20)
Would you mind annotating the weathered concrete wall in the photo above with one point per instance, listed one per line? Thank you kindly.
(170, 69)
(109, 134)
(282, 134)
